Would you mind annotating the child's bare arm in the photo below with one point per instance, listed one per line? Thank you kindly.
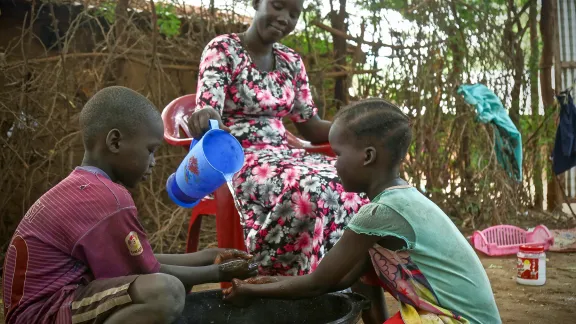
(333, 271)
(226, 271)
(202, 258)
(345, 283)
(196, 259)
(191, 276)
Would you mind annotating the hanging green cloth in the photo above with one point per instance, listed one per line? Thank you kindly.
(508, 141)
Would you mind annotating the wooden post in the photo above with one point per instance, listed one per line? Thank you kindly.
(338, 20)
(534, 104)
(557, 57)
(550, 51)
(113, 69)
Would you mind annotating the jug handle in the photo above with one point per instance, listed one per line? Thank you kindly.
(213, 124)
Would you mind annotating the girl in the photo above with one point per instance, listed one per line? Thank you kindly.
(417, 253)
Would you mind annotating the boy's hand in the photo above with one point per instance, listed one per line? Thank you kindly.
(240, 269)
(231, 254)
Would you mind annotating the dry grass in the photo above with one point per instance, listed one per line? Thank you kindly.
(47, 79)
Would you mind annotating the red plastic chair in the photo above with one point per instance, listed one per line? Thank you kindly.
(229, 232)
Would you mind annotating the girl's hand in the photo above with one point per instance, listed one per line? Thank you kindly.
(231, 254)
(236, 294)
(240, 269)
(198, 122)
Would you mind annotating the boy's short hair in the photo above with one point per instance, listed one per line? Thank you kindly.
(379, 119)
(114, 107)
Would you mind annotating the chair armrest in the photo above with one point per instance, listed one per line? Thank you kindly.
(324, 148)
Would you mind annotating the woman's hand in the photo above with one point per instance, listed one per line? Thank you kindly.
(314, 130)
(198, 122)
(237, 269)
(231, 254)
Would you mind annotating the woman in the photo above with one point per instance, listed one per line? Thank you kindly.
(293, 206)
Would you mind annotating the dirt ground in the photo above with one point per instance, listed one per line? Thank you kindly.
(555, 302)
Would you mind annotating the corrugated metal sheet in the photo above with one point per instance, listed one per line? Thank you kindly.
(567, 29)
(567, 33)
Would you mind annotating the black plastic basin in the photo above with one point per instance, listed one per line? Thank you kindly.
(207, 307)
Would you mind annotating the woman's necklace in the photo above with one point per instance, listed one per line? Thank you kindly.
(242, 37)
(245, 44)
(251, 52)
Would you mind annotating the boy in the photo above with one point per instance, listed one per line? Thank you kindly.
(80, 255)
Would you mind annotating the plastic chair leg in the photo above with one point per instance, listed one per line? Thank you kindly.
(193, 233)
(205, 207)
(228, 229)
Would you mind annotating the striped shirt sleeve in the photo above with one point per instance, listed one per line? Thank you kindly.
(117, 246)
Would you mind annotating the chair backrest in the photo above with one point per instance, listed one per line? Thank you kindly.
(174, 116)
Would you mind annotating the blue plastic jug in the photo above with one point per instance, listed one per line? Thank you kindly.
(211, 162)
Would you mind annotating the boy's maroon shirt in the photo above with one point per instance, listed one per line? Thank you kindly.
(84, 228)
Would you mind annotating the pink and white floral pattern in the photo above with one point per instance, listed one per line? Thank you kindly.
(293, 207)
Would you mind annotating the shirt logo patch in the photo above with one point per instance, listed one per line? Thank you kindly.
(33, 211)
(133, 243)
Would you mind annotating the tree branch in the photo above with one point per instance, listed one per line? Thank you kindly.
(339, 33)
(121, 52)
(337, 74)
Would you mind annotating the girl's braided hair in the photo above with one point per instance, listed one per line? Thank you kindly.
(379, 119)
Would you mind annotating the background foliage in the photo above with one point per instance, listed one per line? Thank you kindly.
(55, 54)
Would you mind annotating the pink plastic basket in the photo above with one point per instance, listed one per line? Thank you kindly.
(506, 239)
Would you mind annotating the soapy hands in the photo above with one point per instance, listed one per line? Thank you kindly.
(241, 269)
(235, 264)
(237, 293)
(231, 254)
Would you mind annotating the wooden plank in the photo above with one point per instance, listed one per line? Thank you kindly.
(556, 48)
(568, 65)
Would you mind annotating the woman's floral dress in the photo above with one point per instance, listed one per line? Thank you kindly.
(292, 205)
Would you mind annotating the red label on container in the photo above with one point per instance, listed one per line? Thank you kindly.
(193, 165)
(527, 268)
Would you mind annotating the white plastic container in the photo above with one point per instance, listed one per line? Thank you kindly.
(531, 265)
